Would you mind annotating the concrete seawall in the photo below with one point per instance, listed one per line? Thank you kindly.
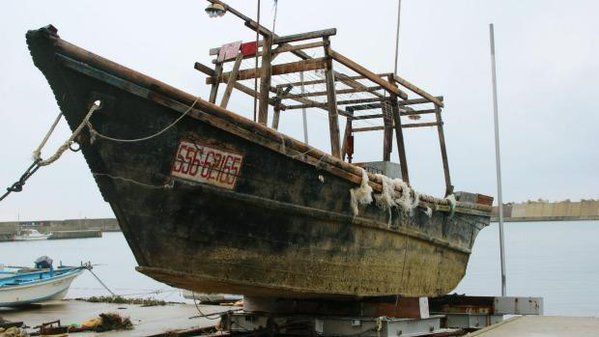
(63, 229)
(550, 211)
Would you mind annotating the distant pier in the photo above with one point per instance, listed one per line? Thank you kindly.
(543, 210)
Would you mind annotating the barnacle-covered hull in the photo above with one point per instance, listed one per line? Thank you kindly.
(218, 203)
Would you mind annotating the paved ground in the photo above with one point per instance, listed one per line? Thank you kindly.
(543, 326)
(147, 320)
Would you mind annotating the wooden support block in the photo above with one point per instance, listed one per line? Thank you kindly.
(231, 83)
(368, 74)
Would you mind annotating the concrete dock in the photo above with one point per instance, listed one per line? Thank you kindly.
(542, 326)
(147, 321)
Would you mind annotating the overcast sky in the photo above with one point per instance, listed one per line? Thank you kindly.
(548, 67)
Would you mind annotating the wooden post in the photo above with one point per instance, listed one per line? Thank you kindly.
(401, 149)
(332, 102)
(231, 83)
(218, 70)
(277, 114)
(388, 135)
(448, 186)
(266, 73)
(347, 135)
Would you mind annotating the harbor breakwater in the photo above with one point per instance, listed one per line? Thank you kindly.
(542, 210)
(61, 229)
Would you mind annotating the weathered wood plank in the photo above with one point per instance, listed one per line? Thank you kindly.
(265, 76)
(417, 90)
(279, 69)
(371, 90)
(419, 125)
(448, 185)
(305, 36)
(332, 102)
(231, 83)
(368, 74)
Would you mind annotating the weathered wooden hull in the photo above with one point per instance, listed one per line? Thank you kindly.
(285, 228)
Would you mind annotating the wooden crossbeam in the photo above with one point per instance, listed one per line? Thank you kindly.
(417, 90)
(368, 117)
(418, 101)
(251, 92)
(279, 69)
(338, 92)
(419, 125)
(231, 82)
(368, 74)
(305, 36)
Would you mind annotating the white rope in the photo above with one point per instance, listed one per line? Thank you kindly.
(37, 153)
(95, 133)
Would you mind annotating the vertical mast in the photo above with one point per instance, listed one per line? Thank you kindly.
(397, 37)
(498, 161)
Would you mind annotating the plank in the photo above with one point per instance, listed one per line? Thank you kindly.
(417, 90)
(231, 82)
(368, 74)
(279, 69)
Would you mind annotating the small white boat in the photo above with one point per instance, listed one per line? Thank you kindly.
(21, 286)
(30, 235)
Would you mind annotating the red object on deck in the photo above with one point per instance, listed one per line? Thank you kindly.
(249, 48)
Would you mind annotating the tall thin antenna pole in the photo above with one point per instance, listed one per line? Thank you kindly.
(397, 36)
(256, 77)
(498, 161)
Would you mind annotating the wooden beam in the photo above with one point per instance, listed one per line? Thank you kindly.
(305, 36)
(332, 101)
(279, 69)
(371, 90)
(388, 135)
(399, 138)
(418, 101)
(368, 74)
(322, 81)
(360, 100)
(347, 136)
(419, 125)
(448, 185)
(369, 128)
(288, 48)
(251, 92)
(231, 83)
(265, 77)
(306, 106)
(367, 117)
(356, 85)
(417, 90)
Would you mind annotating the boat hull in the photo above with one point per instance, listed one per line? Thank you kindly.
(38, 292)
(282, 226)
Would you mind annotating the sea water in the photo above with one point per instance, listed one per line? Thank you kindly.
(558, 261)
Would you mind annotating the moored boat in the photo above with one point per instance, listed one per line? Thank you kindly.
(23, 286)
(215, 203)
(28, 234)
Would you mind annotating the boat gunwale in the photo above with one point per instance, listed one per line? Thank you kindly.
(351, 172)
(69, 274)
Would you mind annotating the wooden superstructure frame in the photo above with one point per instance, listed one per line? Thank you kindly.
(341, 76)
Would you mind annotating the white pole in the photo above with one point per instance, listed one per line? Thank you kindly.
(498, 161)
(397, 36)
(304, 117)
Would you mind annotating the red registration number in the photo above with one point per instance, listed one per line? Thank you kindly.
(205, 164)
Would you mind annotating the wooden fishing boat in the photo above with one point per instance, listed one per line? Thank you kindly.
(213, 202)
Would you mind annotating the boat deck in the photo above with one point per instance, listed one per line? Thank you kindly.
(147, 321)
(547, 326)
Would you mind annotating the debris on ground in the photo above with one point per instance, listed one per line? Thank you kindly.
(104, 322)
(13, 332)
(144, 302)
